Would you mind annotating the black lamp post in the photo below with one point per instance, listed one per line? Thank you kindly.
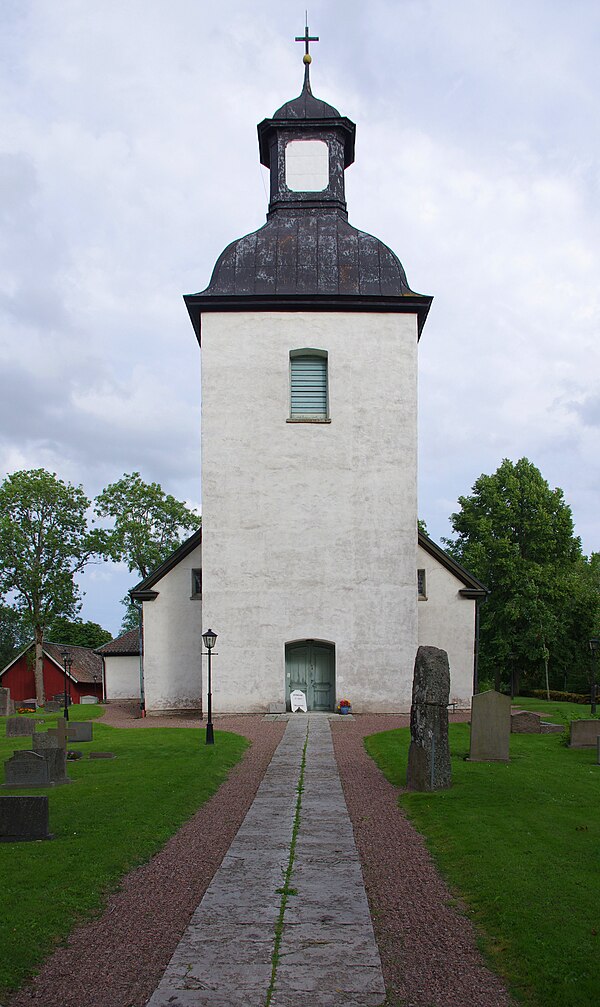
(210, 638)
(67, 662)
(594, 648)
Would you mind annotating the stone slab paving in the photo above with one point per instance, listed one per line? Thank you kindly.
(327, 955)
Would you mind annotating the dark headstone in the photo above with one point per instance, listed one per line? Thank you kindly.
(52, 706)
(490, 727)
(7, 707)
(79, 731)
(56, 760)
(26, 769)
(28, 704)
(102, 755)
(525, 722)
(43, 740)
(429, 753)
(23, 819)
(19, 727)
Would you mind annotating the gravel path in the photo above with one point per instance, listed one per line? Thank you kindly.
(427, 948)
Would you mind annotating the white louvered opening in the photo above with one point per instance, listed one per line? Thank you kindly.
(309, 387)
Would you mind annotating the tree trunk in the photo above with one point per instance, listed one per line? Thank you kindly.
(40, 697)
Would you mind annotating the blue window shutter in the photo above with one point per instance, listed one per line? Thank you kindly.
(309, 386)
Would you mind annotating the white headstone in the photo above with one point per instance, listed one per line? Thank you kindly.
(298, 701)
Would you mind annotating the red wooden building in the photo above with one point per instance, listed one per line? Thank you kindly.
(84, 679)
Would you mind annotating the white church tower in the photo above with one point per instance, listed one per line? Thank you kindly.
(309, 335)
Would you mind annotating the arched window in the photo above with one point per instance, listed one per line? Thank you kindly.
(308, 385)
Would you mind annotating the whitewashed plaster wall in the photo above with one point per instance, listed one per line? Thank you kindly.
(447, 620)
(172, 641)
(121, 677)
(309, 528)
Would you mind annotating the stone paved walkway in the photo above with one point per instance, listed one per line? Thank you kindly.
(253, 941)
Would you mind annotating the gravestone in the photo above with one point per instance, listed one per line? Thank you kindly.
(525, 722)
(19, 727)
(79, 731)
(584, 733)
(28, 704)
(7, 707)
(88, 699)
(43, 740)
(60, 732)
(26, 769)
(298, 701)
(52, 706)
(429, 753)
(490, 727)
(23, 819)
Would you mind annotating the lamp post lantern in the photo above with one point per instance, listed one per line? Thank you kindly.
(67, 662)
(210, 638)
(594, 649)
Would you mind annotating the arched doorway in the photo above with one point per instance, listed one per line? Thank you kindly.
(310, 667)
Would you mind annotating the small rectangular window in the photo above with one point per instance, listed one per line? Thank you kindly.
(421, 585)
(196, 583)
(308, 386)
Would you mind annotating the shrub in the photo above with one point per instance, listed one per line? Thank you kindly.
(556, 696)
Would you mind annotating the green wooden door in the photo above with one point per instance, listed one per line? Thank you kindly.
(310, 667)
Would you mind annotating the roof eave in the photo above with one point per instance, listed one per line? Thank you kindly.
(473, 588)
(417, 304)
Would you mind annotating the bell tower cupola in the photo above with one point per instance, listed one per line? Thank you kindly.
(307, 256)
(307, 146)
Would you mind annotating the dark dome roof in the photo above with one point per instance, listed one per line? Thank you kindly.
(306, 106)
(308, 254)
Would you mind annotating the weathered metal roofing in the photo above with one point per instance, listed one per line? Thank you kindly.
(307, 256)
(306, 106)
(308, 253)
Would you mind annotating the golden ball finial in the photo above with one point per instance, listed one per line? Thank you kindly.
(307, 58)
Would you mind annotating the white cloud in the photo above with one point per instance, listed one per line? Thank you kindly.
(129, 160)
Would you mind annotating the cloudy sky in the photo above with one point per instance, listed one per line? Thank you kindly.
(128, 160)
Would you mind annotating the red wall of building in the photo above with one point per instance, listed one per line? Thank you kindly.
(20, 679)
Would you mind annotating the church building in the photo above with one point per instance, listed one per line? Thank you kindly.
(309, 566)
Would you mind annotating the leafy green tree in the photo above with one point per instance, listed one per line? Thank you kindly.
(44, 542)
(516, 535)
(131, 618)
(77, 633)
(13, 634)
(149, 524)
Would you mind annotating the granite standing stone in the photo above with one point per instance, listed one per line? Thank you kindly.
(79, 731)
(88, 700)
(584, 733)
(23, 819)
(26, 769)
(19, 727)
(429, 753)
(7, 707)
(490, 727)
(52, 706)
(525, 722)
(44, 740)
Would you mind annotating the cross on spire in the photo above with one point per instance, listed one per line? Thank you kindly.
(306, 38)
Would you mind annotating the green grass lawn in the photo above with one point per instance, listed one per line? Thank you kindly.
(520, 843)
(115, 816)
